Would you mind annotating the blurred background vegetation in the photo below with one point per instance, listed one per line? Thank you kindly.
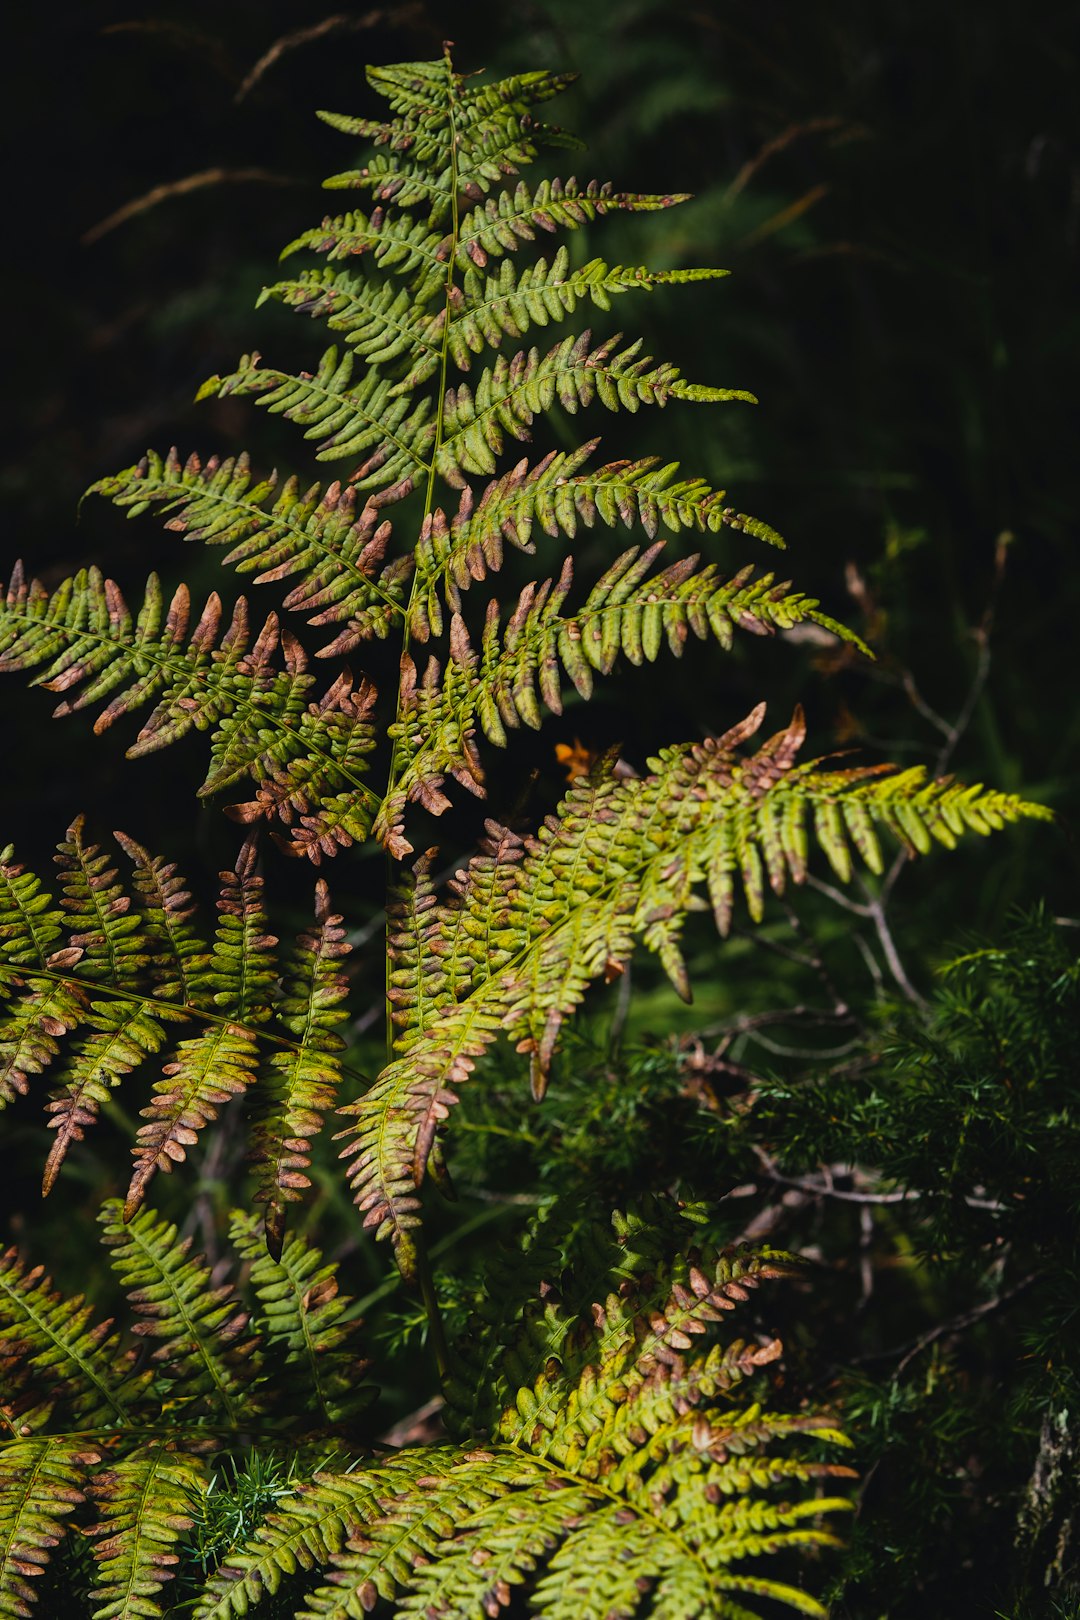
(896, 191)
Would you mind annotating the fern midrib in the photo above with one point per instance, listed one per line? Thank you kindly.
(134, 1534)
(103, 920)
(314, 1360)
(26, 1502)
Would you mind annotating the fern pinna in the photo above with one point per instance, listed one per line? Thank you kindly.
(607, 1462)
(615, 1453)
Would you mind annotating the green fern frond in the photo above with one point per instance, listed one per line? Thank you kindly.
(303, 1080)
(367, 419)
(71, 1362)
(200, 1325)
(44, 1009)
(502, 223)
(513, 392)
(554, 497)
(630, 612)
(261, 721)
(338, 549)
(304, 1533)
(621, 860)
(220, 1062)
(491, 308)
(40, 1485)
(144, 1506)
(619, 1479)
(135, 966)
(318, 1372)
(379, 325)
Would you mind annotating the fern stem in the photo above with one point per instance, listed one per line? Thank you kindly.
(426, 1280)
(440, 403)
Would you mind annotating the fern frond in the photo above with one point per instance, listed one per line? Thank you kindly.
(144, 1505)
(303, 1533)
(73, 1362)
(379, 324)
(509, 305)
(200, 1324)
(630, 612)
(108, 940)
(40, 1485)
(303, 1079)
(502, 223)
(366, 420)
(513, 392)
(619, 1478)
(622, 860)
(318, 1373)
(554, 497)
(519, 670)
(239, 976)
(338, 549)
(178, 960)
(261, 722)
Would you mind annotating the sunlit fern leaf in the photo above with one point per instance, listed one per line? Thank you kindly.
(523, 669)
(178, 953)
(512, 303)
(144, 1506)
(500, 224)
(379, 326)
(238, 979)
(43, 1009)
(622, 860)
(508, 397)
(75, 1365)
(199, 1327)
(336, 547)
(302, 1081)
(555, 498)
(318, 1371)
(417, 979)
(262, 720)
(40, 1485)
(305, 1532)
(621, 1474)
(365, 419)
(129, 968)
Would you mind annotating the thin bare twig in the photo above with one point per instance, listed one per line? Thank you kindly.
(956, 1324)
(180, 188)
(329, 25)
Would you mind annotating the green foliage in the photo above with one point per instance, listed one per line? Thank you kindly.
(609, 1433)
(598, 1461)
(140, 956)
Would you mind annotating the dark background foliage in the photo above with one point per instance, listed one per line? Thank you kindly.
(896, 190)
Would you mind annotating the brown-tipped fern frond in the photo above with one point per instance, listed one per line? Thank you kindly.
(96, 987)
(620, 861)
(618, 1468)
(135, 1470)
